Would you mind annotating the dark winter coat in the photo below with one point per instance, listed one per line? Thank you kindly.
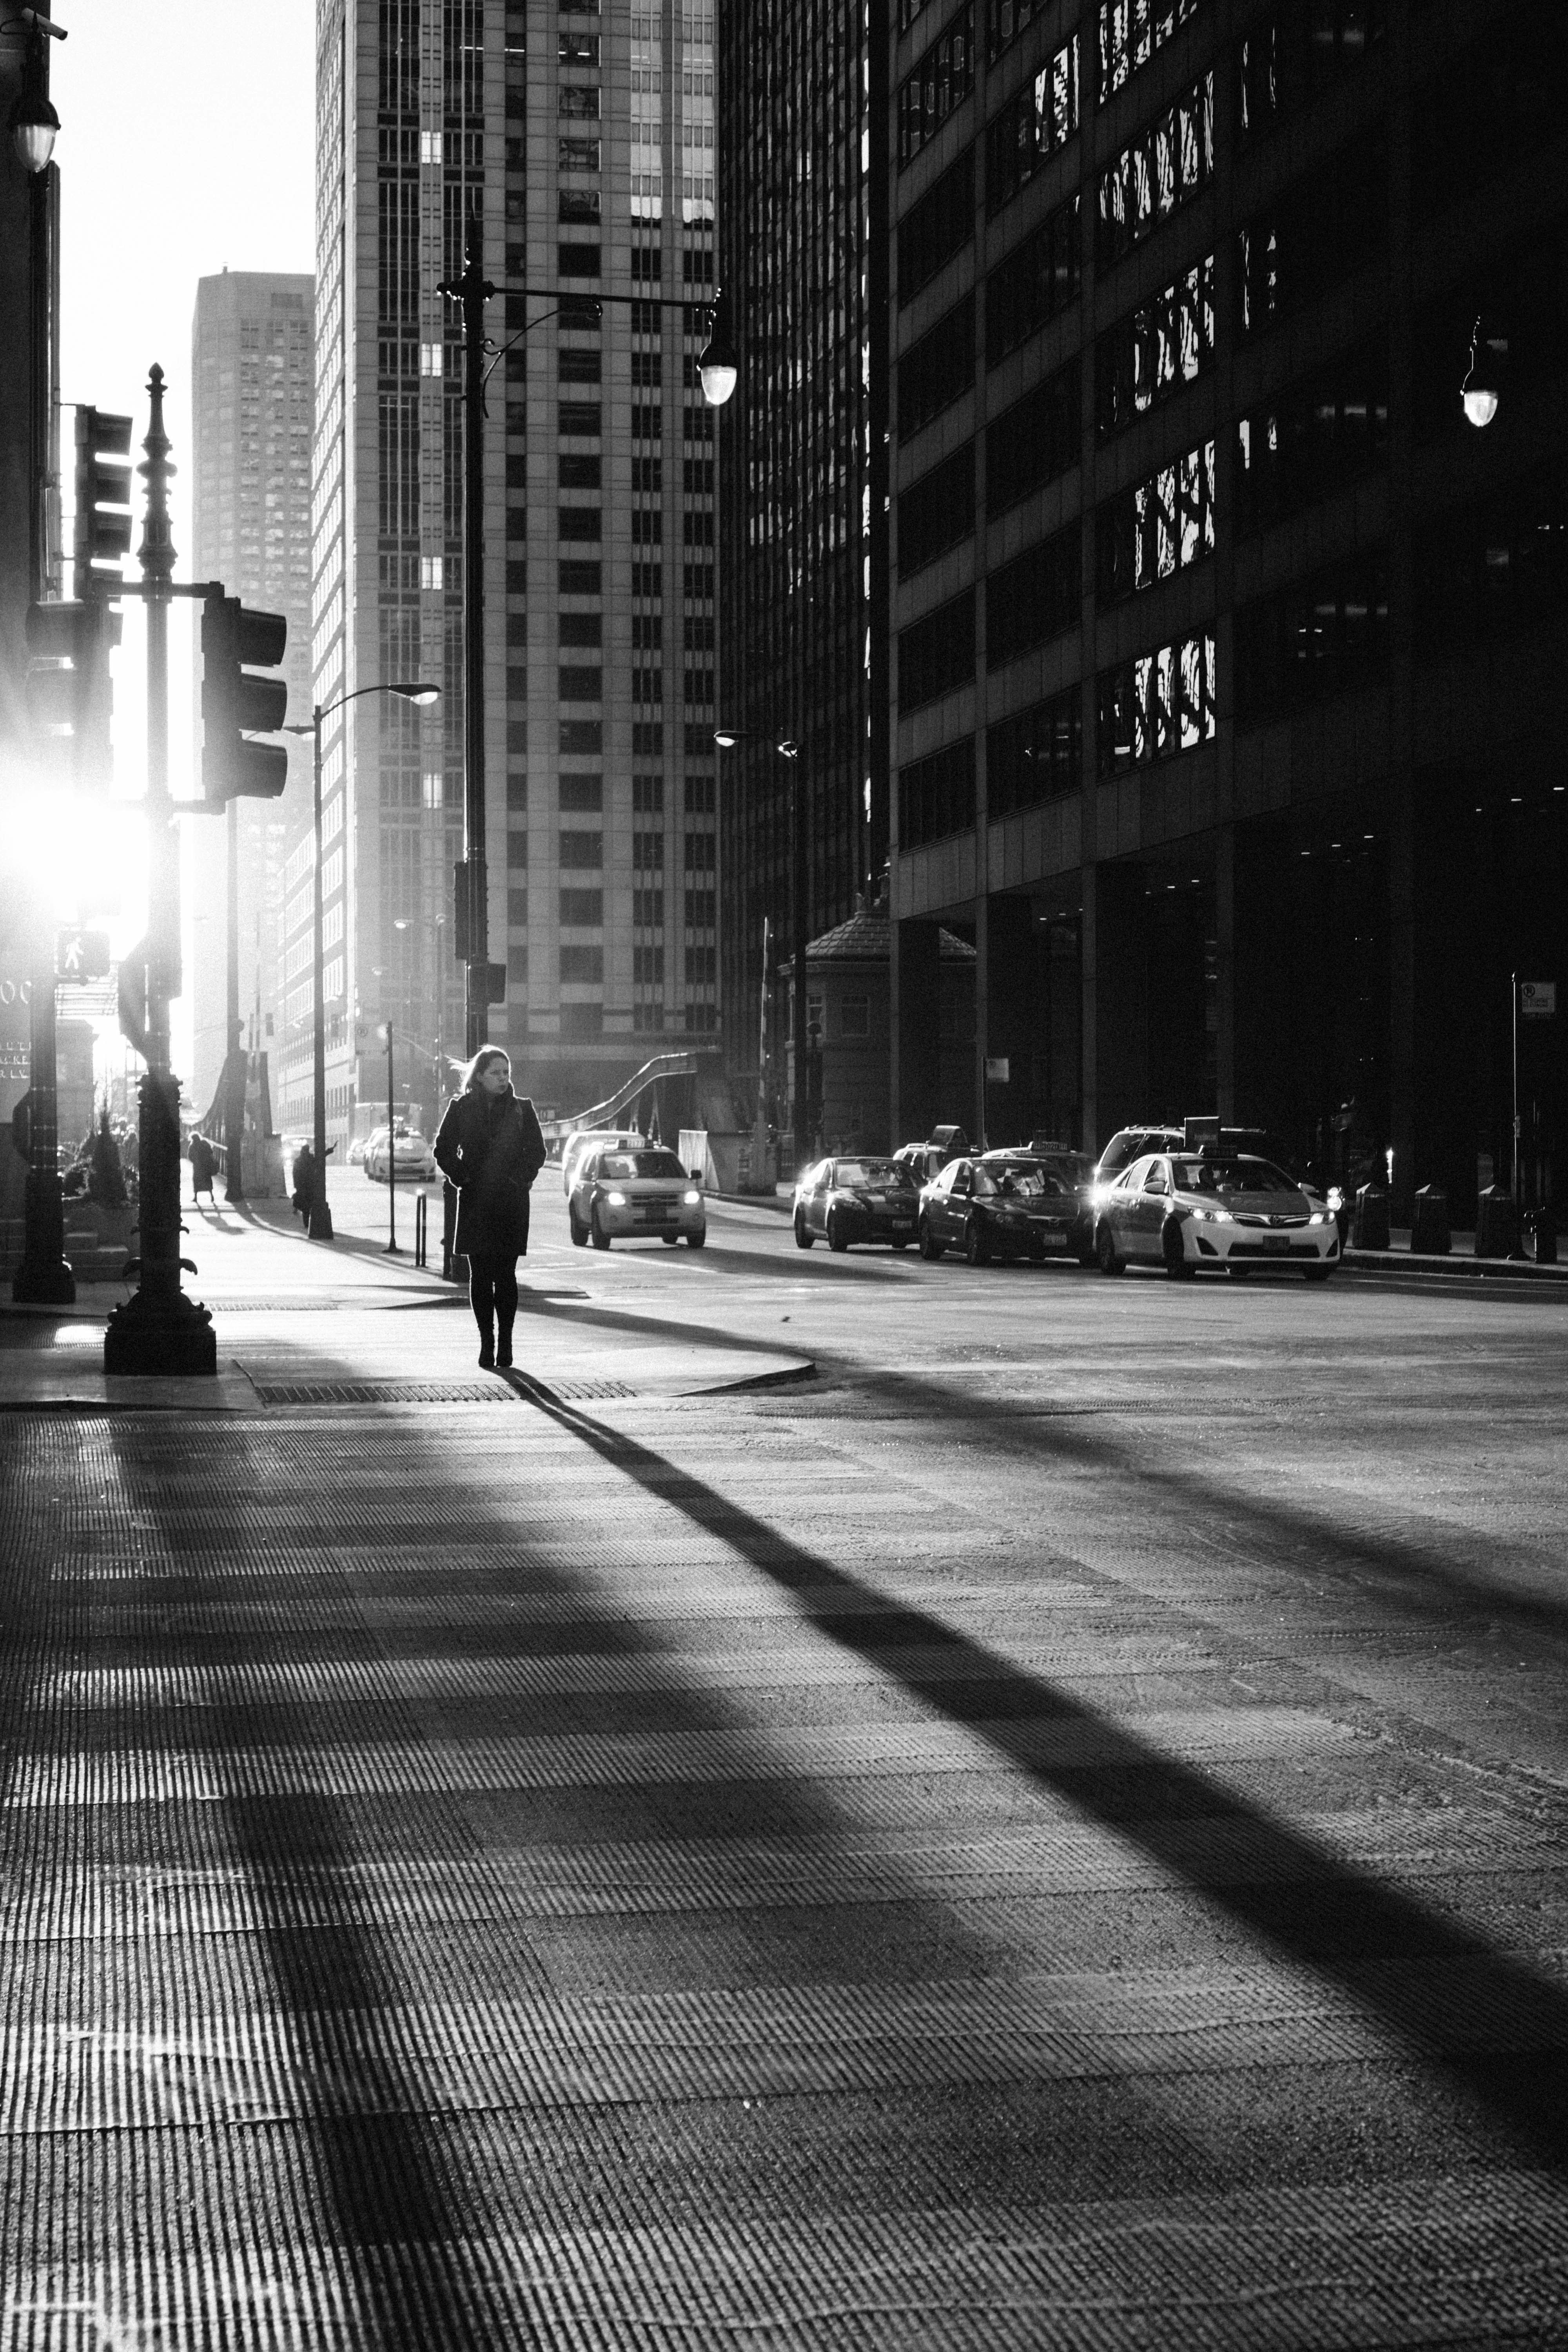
(492, 1150)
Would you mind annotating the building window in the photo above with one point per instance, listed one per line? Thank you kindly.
(1169, 163)
(1157, 527)
(581, 1021)
(581, 629)
(938, 370)
(1034, 441)
(648, 967)
(1036, 755)
(581, 849)
(1037, 596)
(1316, 639)
(579, 522)
(430, 359)
(1035, 281)
(1163, 344)
(576, 472)
(939, 225)
(1004, 20)
(937, 654)
(854, 1016)
(647, 910)
(580, 964)
(584, 793)
(647, 851)
(702, 967)
(581, 910)
(582, 737)
(1032, 125)
(576, 682)
(938, 84)
(432, 793)
(517, 909)
(1157, 705)
(1493, 568)
(1130, 33)
(1285, 61)
(1313, 441)
(701, 852)
(702, 910)
(936, 512)
(580, 419)
(936, 795)
(1315, 233)
(647, 795)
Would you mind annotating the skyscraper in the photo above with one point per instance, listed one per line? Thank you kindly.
(1223, 706)
(585, 146)
(252, 420)
(802, 197)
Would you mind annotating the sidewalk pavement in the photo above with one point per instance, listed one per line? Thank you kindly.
(395, 1327)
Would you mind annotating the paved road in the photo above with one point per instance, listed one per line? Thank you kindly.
(1049, 1833)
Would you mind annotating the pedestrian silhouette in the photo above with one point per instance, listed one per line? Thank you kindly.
(490, 1146)
(203, 1166)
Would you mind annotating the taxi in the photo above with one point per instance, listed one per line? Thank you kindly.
(632, 1194)
(1224, 1210)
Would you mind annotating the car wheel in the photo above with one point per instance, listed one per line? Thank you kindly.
(1037, 1252)
(670, 1240)
(930, 1249)
(803, 1239)
(837, 1239)
(1105, 1255)
(699, 1240)
(1317, 1273)
(578, 1230)
(976, 1248)
(601, 1238)
(900, 1246)
(1173, 1252)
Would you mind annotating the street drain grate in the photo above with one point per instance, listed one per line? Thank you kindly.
(384, 1392)
(580, 1390)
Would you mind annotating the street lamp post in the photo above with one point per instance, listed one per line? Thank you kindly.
(788, 749)
(318, 1220)
(719, 367)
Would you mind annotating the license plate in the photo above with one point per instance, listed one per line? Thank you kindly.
(1273, 1242)
(655, 1213)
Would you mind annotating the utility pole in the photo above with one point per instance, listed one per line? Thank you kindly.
(474, 290)
(233, 1059)
(159, 1330)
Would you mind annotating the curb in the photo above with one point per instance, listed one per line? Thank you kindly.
(1477, 1269)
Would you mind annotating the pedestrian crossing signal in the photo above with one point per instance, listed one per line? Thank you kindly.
(81, 955)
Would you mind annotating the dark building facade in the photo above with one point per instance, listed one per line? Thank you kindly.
(803, 257)
(1224, 710)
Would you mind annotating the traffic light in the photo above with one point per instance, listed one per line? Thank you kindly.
(69, 692)
(236, 703)
(102, 498)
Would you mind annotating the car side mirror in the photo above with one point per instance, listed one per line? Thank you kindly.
(697, 1175)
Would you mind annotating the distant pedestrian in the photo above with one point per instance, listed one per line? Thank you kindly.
(490, 1148)
(203, 1166)
(302, 1177)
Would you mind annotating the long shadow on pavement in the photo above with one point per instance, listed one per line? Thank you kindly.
(1527, 2015)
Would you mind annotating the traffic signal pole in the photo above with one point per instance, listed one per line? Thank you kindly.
(474, 290)
(159, 1330)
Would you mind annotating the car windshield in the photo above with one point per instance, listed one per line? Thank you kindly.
(870, 1171)
(1022, 1180)
(625, 1166)
(1212, 1174)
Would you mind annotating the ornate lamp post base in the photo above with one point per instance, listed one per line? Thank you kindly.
(319, 1223)
(38, 1282)
(170, 1339)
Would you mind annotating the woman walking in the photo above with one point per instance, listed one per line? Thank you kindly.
(490, 1148)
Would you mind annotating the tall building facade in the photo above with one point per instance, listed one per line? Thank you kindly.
(585, 145)
(252, 423)
(804, 260)
(1222, 708)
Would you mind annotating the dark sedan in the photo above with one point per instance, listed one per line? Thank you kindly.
(998, 1207)
(856, 1200)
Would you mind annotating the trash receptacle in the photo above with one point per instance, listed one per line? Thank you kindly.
(1540, 1225)
(1429, 1235)
(1496, 1233)
(1369, 1227)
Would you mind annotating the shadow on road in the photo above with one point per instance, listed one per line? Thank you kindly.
(1304, 1901)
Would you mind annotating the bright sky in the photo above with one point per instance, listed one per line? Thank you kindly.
(188, 143)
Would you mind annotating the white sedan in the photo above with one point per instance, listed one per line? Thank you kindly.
(577, 1147)
(415, 1162)
(627, 1194)
(1187, 1210)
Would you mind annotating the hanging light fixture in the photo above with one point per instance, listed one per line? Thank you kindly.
(1480, 390)
(34, 124)
(718, 365)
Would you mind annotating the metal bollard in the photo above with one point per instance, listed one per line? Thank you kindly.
(421, 1220)
(1369, 1226)
(1497, 1228)
(1429, 1235)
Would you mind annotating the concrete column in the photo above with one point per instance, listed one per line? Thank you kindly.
(1116, 1021)
(1224, 976)
(915, 1021)
(1014, 1016)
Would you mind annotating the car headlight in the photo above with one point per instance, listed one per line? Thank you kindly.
(617, 1200)
(693, 1200)
(1214, 1216)
(1322, 1217)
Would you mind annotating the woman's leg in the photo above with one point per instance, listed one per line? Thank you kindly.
(482, 1299)
(506, 1306)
